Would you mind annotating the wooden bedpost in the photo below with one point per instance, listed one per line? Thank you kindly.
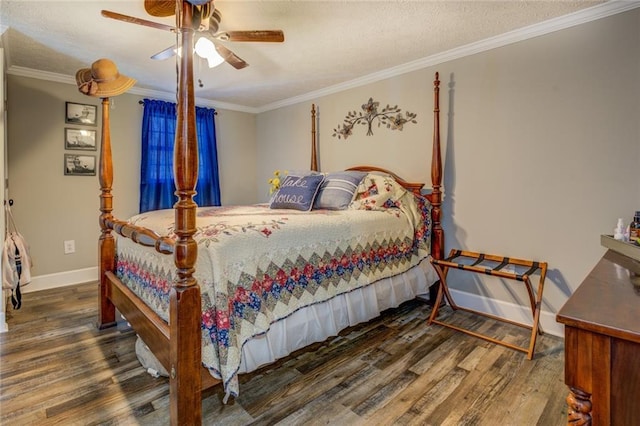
(314, 155)
(437, 248)
(184, 299)
(106, 243)
(437, 236)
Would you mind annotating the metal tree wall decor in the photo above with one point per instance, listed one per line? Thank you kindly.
(391, 116)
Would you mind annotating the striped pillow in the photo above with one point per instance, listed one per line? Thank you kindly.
(337, 190)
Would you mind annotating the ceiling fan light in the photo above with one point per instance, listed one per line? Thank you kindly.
(206, 49)
(214, 60)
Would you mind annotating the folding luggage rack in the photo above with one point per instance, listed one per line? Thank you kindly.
(498, 266)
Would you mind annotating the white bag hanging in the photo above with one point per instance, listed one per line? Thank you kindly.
(16, 260)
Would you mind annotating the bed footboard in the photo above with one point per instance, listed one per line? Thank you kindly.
(147, 324)
(143, 319)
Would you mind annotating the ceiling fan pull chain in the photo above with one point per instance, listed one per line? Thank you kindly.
(199, 60)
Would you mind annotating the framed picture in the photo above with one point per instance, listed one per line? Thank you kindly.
(79, 165)
(80, 114)
(81, 139)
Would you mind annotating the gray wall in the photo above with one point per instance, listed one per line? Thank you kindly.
(540, 142)
(51, 207)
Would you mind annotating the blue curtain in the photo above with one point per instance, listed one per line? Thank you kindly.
(156, 173)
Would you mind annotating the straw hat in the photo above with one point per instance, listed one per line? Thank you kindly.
(164, 8)
(160, 7)
(103, 80)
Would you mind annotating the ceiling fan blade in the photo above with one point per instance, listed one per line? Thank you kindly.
(165, 54)
(272, 36)
(230, 57)
(132, 20)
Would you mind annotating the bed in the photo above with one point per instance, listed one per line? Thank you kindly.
(166, 264)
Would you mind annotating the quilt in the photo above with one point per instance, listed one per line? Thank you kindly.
(258, 265)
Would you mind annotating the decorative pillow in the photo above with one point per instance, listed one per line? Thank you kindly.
(338, 189)
(297, 192)
(379, 192)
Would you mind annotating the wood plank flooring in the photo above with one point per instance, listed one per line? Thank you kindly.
(57, 368)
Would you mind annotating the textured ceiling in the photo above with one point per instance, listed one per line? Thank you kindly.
(327, 43)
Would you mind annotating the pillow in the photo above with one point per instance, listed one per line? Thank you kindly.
(379, 192)
(337, 190)
(297, 192)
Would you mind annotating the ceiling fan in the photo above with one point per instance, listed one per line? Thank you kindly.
(206, 20)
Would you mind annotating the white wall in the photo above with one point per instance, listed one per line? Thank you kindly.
(540, 143)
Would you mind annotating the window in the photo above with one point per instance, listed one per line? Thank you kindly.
(156, 172)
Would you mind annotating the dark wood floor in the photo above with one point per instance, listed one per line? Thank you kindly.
(57, 368)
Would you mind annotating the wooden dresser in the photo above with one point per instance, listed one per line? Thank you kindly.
(602, 344)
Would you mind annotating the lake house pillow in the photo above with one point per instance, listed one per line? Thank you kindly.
(338, 189)
(297, 192)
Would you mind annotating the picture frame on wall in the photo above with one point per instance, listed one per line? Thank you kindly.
(79, 165)
(80, 114)
(80, 139)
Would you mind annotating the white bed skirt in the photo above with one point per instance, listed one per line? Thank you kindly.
(317, 322)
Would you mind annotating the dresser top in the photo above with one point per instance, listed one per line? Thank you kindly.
(608, 300)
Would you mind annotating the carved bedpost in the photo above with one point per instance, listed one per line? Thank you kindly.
(437, 241)
(184, 299)
(314, 155)
(437, 233)
(106, 243)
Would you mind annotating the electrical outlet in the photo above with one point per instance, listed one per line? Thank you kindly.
(69, 246)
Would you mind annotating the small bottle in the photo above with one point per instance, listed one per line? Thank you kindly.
(619, 231)
(634, 228)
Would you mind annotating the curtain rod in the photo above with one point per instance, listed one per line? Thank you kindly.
(214, 112)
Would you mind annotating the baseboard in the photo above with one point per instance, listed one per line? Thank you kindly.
(4, 327)
(61, 279)
(472, 301)
(507, 310)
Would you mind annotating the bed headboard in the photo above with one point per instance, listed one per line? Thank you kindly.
(314, 144)
(434, 196)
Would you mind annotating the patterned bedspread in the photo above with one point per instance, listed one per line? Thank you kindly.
(257, 265)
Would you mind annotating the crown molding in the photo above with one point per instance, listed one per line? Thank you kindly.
(603, 10)
(600, 11)
(40, 75)
(156, 94)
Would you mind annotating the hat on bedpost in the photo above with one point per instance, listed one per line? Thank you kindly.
(103, 80)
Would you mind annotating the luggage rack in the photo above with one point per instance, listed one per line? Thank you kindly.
(498, 266)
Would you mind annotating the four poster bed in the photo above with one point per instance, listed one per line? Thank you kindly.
(214, 290)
